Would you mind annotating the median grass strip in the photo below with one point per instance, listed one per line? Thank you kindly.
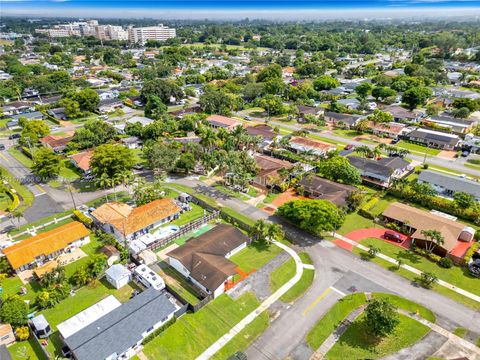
(357, 343)
(417, 148)
(330, 321)
(414, 278)
(285, 272)
(193, 333)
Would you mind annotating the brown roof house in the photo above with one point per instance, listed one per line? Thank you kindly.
(41, 248)
(322, 189)
(268, 170)
(219, 121)
(457, 236)
(301, 144)
(204, 259)
(82, 160)
(112, 254)
(55, 142)
(127, 223)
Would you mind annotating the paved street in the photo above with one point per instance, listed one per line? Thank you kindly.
(338, 268)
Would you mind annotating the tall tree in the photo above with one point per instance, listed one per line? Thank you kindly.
(381, 317)
(46, 163)
(111, 160)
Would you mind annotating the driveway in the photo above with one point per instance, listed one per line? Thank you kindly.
(377, 233)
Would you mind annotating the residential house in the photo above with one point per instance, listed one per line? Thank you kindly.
(7, 336)
(434, 139)
(351, 103)
(342, 120)
(454, 77)
(112, 254)
(148, 278)
(109, 105)
(127, 223)
(401, 114)
(39, 249)
(268, 170)
(447, 185)
(265, 132)
(381, 172)
(204, 259)
(302, 145)
(304, 110)
(118, 334)
(392, 130)
(132, 142)
(288, 71)
(17, 107)
(187, 111)
(449, 123)
(219, 121)
(58, 114)
(57, 143)
(144, 121)
(82, 160)
(35, 115)
(322, 189)
(457, 237)
(118, 276)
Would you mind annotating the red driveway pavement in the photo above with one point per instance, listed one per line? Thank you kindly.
(377, 233)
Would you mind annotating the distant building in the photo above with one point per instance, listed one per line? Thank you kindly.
(219, 121)
(302, 145)
(434, 139)
(141, 35)
(342, 120)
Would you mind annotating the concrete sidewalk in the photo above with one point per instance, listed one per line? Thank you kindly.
(410, 268)
(216, 346)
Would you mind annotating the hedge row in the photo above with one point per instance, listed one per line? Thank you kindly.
(158, 331)
(15, 200)
(80, 216)
(365, 209)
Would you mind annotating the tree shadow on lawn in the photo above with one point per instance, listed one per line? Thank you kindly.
(357, 336)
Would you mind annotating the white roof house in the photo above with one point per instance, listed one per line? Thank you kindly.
(88, 316)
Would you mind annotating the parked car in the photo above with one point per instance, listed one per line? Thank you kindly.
(246, 117)
(394, 141)
(348, 147)
(2, 147)
(14, 136)
(392, 235)
(465, 153)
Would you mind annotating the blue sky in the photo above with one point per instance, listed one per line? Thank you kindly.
(237, 8)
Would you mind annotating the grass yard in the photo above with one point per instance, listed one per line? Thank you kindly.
(412, 277)
(255, 256)
(84, 298)
(244, 338)
(26, 350)
(356, 343)
(456, 275)
(416, 148)
(285, 272)
(329, 322)
(194, 333)
(408, 305)
(355, 221)
(20, 157)
(188, 216)
(180, 285)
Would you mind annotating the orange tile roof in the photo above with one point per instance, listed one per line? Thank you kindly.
(128, 220)
(5, 329)
(223, 120)
(82, 159)
(25, 252)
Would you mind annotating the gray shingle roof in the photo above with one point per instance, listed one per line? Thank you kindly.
(122, 328)
(370, 166)
(455, 184)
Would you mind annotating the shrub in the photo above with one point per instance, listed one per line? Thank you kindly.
(445, 262)
(15, 200)
(80, 216)
(27, 152)
(367, 207)
(425, 166)
(471, 251)
(22, 333)
(158, 331)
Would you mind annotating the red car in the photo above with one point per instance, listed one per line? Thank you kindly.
(392, 235)
(348, 147)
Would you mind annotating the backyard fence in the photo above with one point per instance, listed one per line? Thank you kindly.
(183, 230)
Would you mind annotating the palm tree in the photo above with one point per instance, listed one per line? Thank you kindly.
(363, 150)
(258, 230)
(273, 232)
(433, 239)
(103, 182)
(208, 139)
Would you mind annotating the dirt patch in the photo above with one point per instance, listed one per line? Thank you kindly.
(447, 154)
(373, 138)
(286, 196)
(66, 123)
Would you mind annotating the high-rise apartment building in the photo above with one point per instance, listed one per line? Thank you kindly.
(141, 35)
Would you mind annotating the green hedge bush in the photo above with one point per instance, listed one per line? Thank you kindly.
(80, 216)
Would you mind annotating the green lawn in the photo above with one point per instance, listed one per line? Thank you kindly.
(408, 305)
(188, 216)
(26, 350)
(194, 333)
(244, 338)
(329, 322)
(254, 256)
(417, 148)
(285, 272)
(355, 221)
(13, 284)
(412, 277)
(460, 332)
(356, 343)
(456, 275)
(183, 287)
(21, 157)
(26, 196)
